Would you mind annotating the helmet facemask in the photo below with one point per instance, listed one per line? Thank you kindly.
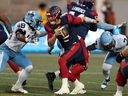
(110, 46)
(54, 14)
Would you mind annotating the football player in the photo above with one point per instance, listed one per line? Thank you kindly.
(82, 8)
(62, 28)
(3, 38)
(24, 32)
(122, 75)
(114, 44)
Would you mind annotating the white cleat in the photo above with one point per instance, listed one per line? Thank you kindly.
(18, 89)
(118, 93)
(82, 91)
(78, 89)
(62, 91)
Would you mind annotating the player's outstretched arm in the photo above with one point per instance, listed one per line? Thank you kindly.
(41, 33)
(88, 20)
(107, 26)
(6, 21)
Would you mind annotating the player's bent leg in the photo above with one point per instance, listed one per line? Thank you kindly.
(67, 57)
(27, 65)
(64, 74)
(73, 75)
(14, 67)
(50, 77)
(106, 73)
(3, 60)
(22, 77)
(121, 81)
(106, 69)
(79, 87)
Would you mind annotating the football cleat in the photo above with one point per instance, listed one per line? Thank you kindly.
(118, 93)
(78, 89)
(50, 77)
(62, 91)
(105, 84)
(82, 91)
(18, 89)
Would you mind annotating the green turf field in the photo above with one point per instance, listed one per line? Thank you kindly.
(37, 83)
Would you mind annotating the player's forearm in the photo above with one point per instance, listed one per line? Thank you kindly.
(91, 47)
(79, 20)
(41, 33)
(105, 26)
(51, 41)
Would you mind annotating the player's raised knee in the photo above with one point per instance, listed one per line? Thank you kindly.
(29, 68)
(106, 66)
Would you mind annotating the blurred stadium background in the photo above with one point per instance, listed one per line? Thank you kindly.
(37, 84)
(15, 10)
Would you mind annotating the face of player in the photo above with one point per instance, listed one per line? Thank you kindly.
(52, 19)
(110, 46)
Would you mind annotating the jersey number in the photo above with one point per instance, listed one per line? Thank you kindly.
(22, 25)
(125, 40)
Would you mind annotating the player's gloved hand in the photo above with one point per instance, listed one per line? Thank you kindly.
(120, 25)
(32, 39)
(120, 57)
(57, 32)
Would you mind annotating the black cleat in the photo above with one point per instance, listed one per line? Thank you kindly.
(50, 77)
(24, 83)
(105, 84)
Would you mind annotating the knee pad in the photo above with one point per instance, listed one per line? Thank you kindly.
(106, 67)
(29, 68)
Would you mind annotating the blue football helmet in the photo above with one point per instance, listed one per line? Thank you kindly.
(33, 18)
(107, 40)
